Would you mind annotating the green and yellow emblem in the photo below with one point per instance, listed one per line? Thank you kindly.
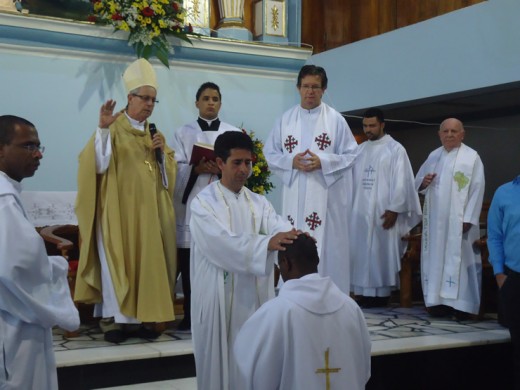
(461, 179)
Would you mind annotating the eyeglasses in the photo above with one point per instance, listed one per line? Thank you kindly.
(32, 148)
(147, 99)
(310, 87)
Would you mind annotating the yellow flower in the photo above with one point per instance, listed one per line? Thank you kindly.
(98, 6)
(256, 170)
(147, 20)
(124, 26)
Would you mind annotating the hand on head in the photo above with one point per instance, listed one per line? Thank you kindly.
(275, 243)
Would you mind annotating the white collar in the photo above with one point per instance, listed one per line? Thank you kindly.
(136, 124)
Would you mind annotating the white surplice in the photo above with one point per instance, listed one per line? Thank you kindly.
(451, 269)
(231, 274)
(317, 202)
(182, 143)
(291, 340)
(34, 297)
(383, 180)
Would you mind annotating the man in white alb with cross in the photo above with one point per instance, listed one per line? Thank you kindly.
(311, 336)
(312, 149)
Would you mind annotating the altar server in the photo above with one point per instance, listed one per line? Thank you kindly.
(34, 290)
(191, 179)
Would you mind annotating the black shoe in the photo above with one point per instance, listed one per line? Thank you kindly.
(370, 302)
(463, 316)
(115, 336)
(145, 333)
(184, 326)
(440, 311)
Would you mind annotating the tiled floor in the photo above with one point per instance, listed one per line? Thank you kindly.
(393, 330)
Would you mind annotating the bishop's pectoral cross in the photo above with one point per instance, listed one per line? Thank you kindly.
(326, 370)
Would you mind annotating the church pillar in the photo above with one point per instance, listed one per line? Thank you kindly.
(231, 24)
(271, 21)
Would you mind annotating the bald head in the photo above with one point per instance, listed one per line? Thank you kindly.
(451, 133)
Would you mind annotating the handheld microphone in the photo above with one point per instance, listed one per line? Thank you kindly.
(158, 152)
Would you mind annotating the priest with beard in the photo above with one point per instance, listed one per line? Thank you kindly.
(384, 209)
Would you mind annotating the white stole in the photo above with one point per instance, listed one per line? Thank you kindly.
(461, 179)
(315, 209)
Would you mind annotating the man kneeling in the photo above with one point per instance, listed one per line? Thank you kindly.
(312, 336)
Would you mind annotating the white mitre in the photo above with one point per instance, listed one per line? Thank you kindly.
(139, 73)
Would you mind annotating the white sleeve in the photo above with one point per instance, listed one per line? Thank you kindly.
(103, 149)
(33, 286)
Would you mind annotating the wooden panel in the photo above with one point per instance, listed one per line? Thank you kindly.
(313, 22)
(387, 15)
(331, 23)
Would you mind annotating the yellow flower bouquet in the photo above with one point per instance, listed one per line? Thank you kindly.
(147, 21)
(259, 181)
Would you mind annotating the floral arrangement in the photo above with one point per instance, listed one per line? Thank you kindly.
(147, 21)
(259, 181)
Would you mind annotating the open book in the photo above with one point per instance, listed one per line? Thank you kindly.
(201, 150)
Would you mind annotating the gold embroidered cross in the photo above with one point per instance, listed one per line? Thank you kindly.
(326, 370)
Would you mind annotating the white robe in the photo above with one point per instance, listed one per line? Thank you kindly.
(445, 249)
(182, 143)
(383, 180)
(34, 297)
(286, 342)
(333, 181)
(232, 274)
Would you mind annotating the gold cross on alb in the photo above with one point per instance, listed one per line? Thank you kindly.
(326, 370)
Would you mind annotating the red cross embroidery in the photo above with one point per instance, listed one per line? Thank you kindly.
(313, 221)
(290, 143)
(291, 219)
(323, 141)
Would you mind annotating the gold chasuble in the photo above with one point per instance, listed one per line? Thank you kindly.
(138, 223)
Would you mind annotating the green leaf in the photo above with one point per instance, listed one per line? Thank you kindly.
(147, 52)
(162, 55)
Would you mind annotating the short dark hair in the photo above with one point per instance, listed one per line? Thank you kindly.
(303, 252)
(312, 70)
(207, 85)
(375, 112)
(232, 140)
(7, 127)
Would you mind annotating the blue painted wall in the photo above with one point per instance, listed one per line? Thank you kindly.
(57, 75)
(474, 47)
